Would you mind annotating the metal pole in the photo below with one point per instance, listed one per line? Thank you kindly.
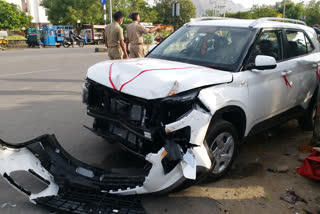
(110, 10)
(105, 15)
(174, 16)
(284, 9)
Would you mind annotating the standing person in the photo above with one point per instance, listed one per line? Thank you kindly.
(71, 35)
(114, 38)
(316, 28)
(135, 33)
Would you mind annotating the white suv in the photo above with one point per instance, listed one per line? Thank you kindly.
(188, 104)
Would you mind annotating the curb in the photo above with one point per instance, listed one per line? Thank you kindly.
(99, 50)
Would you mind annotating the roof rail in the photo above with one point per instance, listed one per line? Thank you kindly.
(276, 19)
(204, 18)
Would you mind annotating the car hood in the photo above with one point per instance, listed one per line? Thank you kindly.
(154, 78)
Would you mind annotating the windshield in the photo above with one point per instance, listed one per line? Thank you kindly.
(212, 46)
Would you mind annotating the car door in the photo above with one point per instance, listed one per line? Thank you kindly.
(300, 63)
(268, 89)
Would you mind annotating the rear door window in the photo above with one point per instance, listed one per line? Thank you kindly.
(298, 44)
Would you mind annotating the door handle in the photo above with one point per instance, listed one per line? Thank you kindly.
(285, 73)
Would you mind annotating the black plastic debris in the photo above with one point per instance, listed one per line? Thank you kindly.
(291, 197)
(80, 201)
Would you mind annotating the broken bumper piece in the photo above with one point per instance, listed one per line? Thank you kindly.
(72, 186)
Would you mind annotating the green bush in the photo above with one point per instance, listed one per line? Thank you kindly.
(148, 38)
(15, 37)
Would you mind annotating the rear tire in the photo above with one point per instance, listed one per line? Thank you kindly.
(66, 45)
(81, 44)
(223, 142)
(307, 121)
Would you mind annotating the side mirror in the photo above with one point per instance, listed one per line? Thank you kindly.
(263, 62)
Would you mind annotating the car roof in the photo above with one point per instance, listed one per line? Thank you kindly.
(249, 23)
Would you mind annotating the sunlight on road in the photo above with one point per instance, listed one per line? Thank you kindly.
(222, 193)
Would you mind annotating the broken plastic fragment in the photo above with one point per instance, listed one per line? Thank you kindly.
(189, 165)
(8, 204)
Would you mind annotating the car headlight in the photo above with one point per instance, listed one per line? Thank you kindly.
(175, 106)
(85, 92)
(183, 97)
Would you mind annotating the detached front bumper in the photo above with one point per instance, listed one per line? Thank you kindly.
(72, 186)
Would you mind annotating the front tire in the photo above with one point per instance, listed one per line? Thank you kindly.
(223, 142)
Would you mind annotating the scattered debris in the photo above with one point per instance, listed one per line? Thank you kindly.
(291, 197)
(279, 169)
(8, 204)
(282, 168)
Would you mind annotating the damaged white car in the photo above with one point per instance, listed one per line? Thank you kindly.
(184, 109)
(204, 89)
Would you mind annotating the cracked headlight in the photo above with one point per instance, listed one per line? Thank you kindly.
(183, 97)
(175, 106)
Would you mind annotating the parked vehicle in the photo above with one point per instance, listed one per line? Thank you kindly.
(205, 88)
(3, 40)
(93, 34)
(67, 42)
(54, 35)
(33, 37)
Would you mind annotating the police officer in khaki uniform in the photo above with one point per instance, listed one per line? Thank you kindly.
(114, 38)
(135, 33)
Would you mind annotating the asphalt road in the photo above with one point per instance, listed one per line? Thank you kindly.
(41, 93)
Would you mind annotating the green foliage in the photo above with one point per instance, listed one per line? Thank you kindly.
(12, 18)
(209, 13)
(312, 12)
(147, 13)
(164, 8)
(15, 37)
(293, 11)
(148, 38)
(68, 12)
(262, 11)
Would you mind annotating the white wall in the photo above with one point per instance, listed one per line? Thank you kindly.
(16, 2)
(37, 11)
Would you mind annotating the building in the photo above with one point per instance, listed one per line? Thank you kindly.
(34, 9)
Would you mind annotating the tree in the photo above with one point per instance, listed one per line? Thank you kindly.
(68, 12)
(147, 13)
(262, 11)
(240, 15)
(255, 12)
(209, 13)
(12, 18)
(293, 11)
(164, 8)
(312, 12)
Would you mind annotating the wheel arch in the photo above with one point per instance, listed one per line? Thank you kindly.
(233, 114)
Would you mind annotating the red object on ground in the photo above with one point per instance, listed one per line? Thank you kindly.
(311, 166)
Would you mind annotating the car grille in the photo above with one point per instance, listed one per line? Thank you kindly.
(123, 118)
